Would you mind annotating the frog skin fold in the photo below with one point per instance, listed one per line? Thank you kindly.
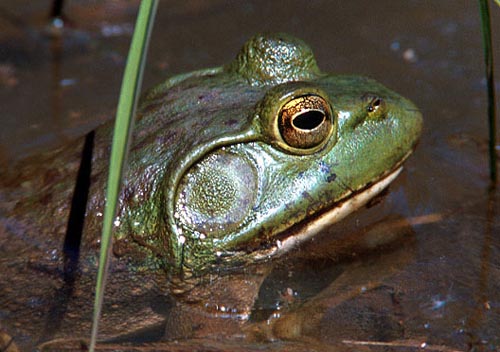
(237, 164)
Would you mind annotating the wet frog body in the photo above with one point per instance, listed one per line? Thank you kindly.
(228, 166)
(236, 164)
(225, 161)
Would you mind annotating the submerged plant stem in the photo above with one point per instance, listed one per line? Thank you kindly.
(488, 59)
(57, 8)
(131, 84)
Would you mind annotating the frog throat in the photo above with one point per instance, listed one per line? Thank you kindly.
(333, 215)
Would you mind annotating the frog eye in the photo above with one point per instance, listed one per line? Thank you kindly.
(305, 122)
(375, 105)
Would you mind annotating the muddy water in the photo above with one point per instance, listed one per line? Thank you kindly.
(438, 285)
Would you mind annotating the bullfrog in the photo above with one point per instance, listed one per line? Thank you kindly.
(229, 167)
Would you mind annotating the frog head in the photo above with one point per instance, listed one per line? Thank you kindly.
(239, 163)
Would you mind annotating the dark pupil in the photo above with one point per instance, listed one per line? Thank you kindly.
(309, 120)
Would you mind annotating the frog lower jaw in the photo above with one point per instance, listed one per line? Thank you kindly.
(331, 216)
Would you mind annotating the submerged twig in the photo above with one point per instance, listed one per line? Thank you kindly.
(57, 9)
(402, 343)
(488, 59)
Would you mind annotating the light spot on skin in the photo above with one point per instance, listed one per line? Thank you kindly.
(343, 116)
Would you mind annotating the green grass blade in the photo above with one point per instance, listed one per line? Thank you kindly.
(123, 126)
(488, 59)
(498, 2)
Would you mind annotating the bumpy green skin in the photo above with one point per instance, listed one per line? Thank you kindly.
(273, 59)
(232, 110)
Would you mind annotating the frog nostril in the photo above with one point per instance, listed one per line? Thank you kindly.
(308, 120)
(375, 105)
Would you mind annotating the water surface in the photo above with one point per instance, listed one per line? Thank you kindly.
(438, 285)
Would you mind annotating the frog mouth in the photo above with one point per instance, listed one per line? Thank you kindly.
(308, 229)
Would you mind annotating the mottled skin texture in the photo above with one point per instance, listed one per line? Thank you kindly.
(228, 114)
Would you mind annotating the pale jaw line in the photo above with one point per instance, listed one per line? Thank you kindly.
(332, 216)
